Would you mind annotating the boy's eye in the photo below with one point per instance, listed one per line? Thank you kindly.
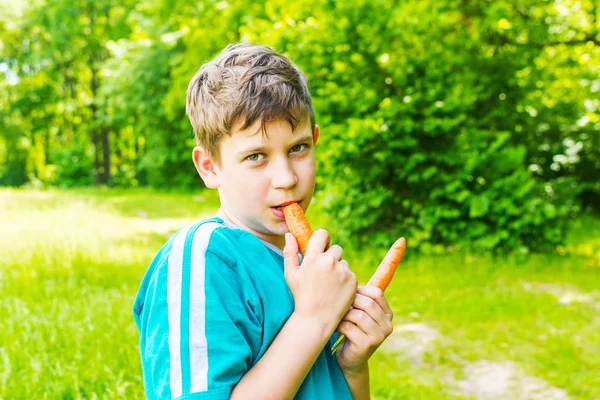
(299, 147)
(255, 157)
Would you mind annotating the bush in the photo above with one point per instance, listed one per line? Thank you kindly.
(74, 167)
(480, 197)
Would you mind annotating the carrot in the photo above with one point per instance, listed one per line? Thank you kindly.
(300, 228)
(385, 272)
(382, 277)
(298, 225)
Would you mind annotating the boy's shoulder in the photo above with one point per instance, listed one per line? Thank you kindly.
(215, 236)
(210, 243)
(210, 234)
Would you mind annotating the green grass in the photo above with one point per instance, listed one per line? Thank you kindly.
(71, 263)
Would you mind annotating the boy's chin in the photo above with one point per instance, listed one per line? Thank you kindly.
(280, 229)
(277, 228)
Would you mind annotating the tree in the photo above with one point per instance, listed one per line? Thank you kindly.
(60, 46)
(454, 123)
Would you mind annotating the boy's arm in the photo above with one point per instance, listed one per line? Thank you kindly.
(358, 382)
(281, 371)
(366, 326)
(323, 289)
(283, 367)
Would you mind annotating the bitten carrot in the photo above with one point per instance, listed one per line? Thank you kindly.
(298, 225)
(383, 276)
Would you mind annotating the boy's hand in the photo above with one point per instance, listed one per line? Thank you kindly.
(323, 287)
(366, 326)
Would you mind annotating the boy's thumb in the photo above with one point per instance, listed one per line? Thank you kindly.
(291, 261)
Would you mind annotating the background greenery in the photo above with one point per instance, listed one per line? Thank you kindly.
(472, 128)
(457, 123)
(72, 261)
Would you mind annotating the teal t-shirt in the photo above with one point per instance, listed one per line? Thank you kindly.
(210, 304)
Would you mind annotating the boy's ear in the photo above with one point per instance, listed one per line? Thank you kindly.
(206, 167)
(316, 135)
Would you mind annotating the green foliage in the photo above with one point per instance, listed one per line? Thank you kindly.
(423, 134)
(74, 167)
(13, 173)
(453, 123)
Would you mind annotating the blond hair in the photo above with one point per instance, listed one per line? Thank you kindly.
(243, 83)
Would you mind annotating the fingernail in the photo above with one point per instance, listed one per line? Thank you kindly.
(287, 238)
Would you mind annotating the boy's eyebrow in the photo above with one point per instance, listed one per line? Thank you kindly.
(302, 140)
(258, 149)
(251, 150)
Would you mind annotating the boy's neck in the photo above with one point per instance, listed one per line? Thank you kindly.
(223, 215)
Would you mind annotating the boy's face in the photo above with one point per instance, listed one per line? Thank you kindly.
(260, 172)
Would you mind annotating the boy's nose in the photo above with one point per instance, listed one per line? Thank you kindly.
(284, 177)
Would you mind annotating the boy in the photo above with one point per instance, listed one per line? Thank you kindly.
(226, 309)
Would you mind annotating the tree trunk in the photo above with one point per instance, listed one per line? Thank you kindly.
(94, 125)
(33, 159)
(136, 138)
(106, 154)
(117, 150)
(47, 159)
(98, 175)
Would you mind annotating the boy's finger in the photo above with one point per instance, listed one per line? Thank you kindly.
(336, 252)
(372, 308)
(291, 261)
(352, 331)
(377, 295)
(363, 320)
(318, 242)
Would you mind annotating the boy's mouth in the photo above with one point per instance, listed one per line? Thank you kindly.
(280, 207)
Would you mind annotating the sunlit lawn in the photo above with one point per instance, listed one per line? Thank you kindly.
(71, 263)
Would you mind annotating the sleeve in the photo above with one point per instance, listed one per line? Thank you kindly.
(201, 334)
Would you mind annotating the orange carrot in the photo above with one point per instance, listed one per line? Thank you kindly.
(298, 225)
(385, 272)
(300, 228)
(382, 277)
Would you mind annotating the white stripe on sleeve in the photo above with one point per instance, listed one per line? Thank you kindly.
(198, 345)
(175, 264)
